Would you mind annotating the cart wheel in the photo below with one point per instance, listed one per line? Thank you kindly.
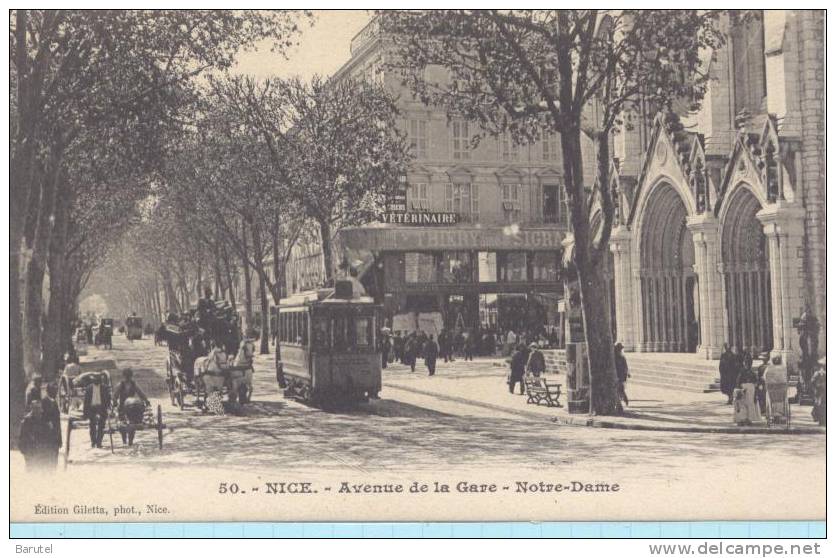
(160, 425)
(63, 397)
(169, 381)
(67, 442)
(180, 396)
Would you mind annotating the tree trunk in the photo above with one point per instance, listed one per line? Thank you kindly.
(278, 274)
(265, 315)
(248, 280)
(33, 304)
(327, 249)
(596, 314)
(54, 341)
(228, 273)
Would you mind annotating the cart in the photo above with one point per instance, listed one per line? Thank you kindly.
(133, 328)
(76, 377)
(150, 420)
(104, 334)
(778, 410)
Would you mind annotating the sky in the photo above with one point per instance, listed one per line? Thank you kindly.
(322, 49)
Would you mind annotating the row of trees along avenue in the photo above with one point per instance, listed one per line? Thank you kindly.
(262, 165)
(96, 99)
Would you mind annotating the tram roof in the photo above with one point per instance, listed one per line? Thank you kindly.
(322, 296)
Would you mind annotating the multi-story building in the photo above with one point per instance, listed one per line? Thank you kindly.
(720, 225)
(495, 260)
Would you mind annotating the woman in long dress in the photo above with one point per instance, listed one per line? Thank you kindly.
(746, 410)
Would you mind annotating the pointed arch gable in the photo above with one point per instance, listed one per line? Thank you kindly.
(668, 158)
(741, 169)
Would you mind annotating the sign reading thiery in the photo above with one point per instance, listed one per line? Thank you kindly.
(406, 238)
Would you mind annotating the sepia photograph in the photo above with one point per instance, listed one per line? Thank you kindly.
(416, 266)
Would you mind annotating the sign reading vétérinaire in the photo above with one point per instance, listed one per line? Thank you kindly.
(428, 218)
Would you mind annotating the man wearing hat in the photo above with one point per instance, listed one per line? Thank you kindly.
(95, 409)
(536, 364)
(33, 392)
(621, 372)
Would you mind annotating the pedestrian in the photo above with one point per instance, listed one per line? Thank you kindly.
(411, 350)
(95, 409)
(130, 404)
(444, 344)
(430, 354)
(728, 372)
(510, 342)
(819, 381)
(397, 347)
(519, 357)
(385, 348)
(52, 415)
(760, 387)
(37, 440)
(33, 391)
(622, 372)
(746, 409)
(469, 345)
(747, 358)
(536, 364)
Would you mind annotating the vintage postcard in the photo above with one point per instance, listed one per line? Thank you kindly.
(432, 265)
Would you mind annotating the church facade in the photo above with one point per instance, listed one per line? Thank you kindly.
(720, 228)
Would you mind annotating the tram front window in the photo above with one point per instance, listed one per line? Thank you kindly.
(341, 330)
(363, 330)
(320, 332)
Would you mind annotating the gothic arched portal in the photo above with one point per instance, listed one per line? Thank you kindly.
(670, 308)
(746, 274)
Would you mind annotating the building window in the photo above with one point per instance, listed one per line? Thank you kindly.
(510, 150)
(513, 266)
(457, 267)
(555, 208)
(551, 147)
(544, 266)
(487, 267)
(418, 196)
(511, 203)
(463, 199)
(420, 267)
(461, 140)
(418, 138)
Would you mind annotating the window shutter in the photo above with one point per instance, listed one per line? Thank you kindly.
(449, 198)
(474, 202)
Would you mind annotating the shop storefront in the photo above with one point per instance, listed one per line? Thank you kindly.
(468, 278)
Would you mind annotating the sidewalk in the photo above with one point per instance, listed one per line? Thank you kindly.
(482, 383)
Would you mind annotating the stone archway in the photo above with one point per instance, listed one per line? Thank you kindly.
(670, 308)
(746, 278)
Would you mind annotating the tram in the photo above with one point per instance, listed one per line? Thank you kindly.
(329, 346)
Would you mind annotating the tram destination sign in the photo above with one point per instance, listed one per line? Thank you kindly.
(429, 218)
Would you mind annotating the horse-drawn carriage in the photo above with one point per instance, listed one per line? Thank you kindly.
(204, 362)
(104, 334)
(133, 328)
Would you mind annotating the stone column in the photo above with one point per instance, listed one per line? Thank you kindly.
(705, 232)
(625, 321)
(783, 225)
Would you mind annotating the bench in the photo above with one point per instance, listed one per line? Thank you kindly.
(539, 389)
